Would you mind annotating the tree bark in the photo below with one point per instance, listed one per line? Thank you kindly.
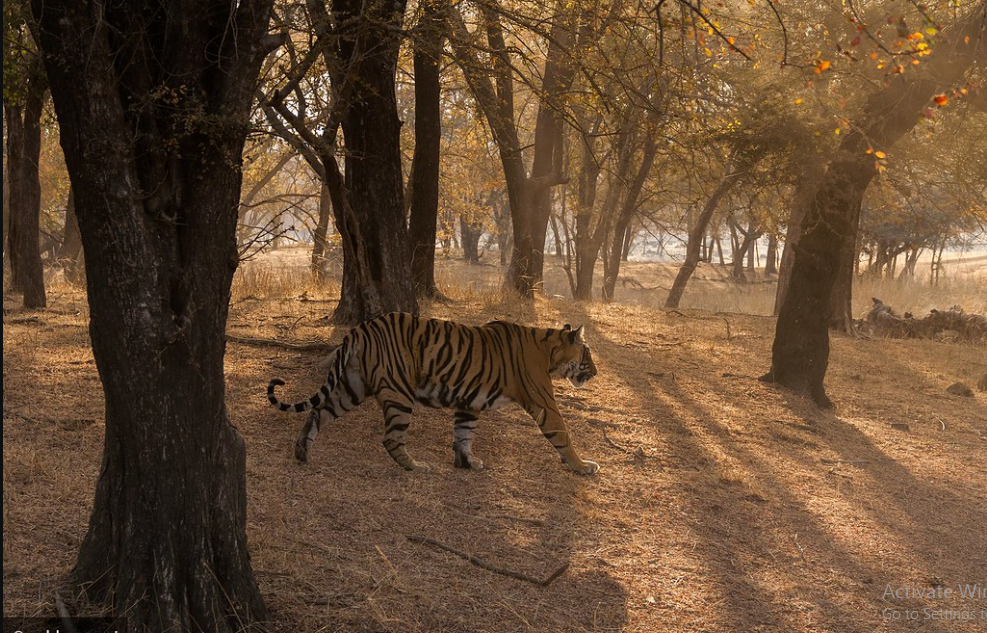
(375, 221)
(23, 155)
(428, 133)
(800, 353)
(698, 230)
(153, 148)
(471, 233)
(811, 178)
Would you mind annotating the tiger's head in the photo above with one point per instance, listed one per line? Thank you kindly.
(572, 358)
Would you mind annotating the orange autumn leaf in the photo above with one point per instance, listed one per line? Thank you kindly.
(880, 154)
(941, 100)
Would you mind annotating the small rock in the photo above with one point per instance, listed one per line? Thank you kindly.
(982, 385)
(900, 426)
(959, 389)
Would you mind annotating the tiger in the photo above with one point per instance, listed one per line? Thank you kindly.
(401, 359)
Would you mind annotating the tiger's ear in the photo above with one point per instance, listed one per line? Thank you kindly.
(575, 336)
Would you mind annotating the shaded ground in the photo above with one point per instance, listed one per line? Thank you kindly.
(740, 515)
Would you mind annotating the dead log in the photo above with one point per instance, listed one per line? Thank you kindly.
(948, 325)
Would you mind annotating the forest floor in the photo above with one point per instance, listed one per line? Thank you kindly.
(723, 504)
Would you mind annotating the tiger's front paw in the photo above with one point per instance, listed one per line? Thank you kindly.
(585, 468)
(418, 467)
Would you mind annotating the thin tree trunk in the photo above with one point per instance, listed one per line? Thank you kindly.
(71, 254)
(24, 153)
(731, 177)
(622, 222)
(320, 245)
(428, 131)
(771, 257)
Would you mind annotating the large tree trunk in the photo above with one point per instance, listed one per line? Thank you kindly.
(800, 353)
(698, 230)
(23, 155)
(428, 134)
(374, 184)
(157, 181)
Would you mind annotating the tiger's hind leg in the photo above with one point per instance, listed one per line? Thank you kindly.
(462, 441)
(346, 395)
(397, 416)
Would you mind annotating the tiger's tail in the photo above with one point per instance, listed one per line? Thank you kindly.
(337, 362)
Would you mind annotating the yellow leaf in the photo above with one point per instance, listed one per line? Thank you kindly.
(880, 154)
(798, 101)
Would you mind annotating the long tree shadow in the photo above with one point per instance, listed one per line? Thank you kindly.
(742, 503)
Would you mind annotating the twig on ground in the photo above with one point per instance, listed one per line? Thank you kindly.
(615, 444)
(26, 418)
(479, 562)
(852, 462)
(511, 517)
(63, 613)
(799, 546)
(312, 346)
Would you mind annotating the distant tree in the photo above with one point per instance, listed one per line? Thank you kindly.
(528, 191)
(357, 46)
(153, 103)
(24, 91)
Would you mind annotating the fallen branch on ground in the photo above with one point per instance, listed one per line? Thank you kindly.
(615, 444)
(479, 562)
(312, 346)
(946, 325)
(511, 517)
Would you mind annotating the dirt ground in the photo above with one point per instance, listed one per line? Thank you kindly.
(722, 505)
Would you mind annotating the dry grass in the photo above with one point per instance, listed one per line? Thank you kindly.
(735, 519)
